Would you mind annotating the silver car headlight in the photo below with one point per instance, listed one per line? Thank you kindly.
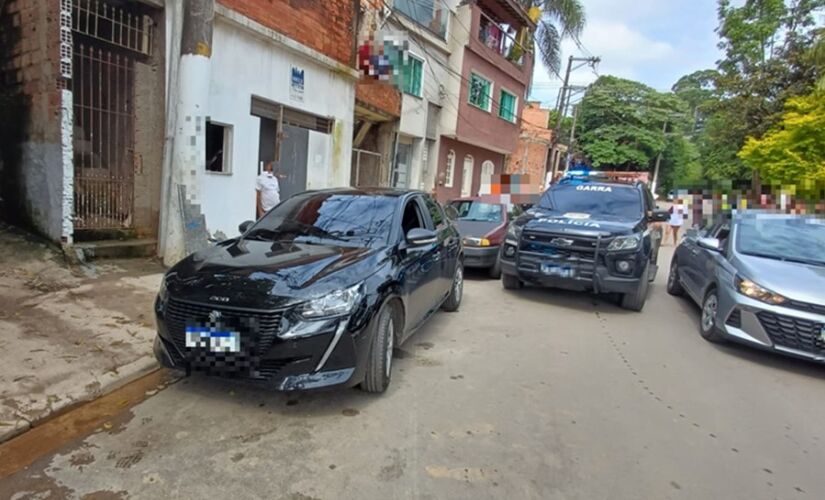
(750, 289)
(624, 243)
(336, 303)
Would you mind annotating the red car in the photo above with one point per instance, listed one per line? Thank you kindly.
(482, 226)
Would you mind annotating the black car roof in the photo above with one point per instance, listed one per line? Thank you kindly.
(366, 191)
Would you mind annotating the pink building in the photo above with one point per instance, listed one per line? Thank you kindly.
(491, 50)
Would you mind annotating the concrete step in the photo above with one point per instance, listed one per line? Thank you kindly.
(116, 249)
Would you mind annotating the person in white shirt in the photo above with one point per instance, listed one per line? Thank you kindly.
(268, 190)
(678, 214)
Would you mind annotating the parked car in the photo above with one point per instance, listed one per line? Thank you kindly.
(589, 235)
(316, 293)
(759, 279)
(482, 226)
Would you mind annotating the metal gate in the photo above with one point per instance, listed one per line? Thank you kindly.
(366, 168)
(106, 43)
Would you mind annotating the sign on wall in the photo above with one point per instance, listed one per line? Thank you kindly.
(296, 84)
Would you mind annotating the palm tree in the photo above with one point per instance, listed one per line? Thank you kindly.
(559, 19)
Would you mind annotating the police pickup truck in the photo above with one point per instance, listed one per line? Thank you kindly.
(587, 234)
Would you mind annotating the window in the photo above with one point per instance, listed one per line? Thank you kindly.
(487, 170)
(508, 106)
(448, 182)
(412, 73)
(467, 176)
(218, 148)
(480, 92)
(412, 217)
(431, 14)
(435, 211)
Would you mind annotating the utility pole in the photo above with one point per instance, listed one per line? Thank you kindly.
(572, 135)
(564, 99)
(658, 161)
(182, 221)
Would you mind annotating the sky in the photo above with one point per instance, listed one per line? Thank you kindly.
(651, 41)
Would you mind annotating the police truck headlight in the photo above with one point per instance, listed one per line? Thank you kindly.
(336, 303)
(623, 243)
(513, 232)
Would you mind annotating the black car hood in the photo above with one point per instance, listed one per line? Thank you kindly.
(259, 274)
(544, 220)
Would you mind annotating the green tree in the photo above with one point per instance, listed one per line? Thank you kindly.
(622, 123)
(559, 19)
(767, 45)
(698, 90)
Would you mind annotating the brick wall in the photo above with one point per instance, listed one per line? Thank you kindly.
(327, 26)
(381, 96)
(530, 155)
(30, 106)
(461, 150)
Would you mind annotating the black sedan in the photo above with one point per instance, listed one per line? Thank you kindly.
(316, 293)
(483, 226)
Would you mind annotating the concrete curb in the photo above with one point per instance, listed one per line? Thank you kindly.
(109, 382)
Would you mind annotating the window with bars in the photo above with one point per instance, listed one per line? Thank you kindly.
(480, 91)
(508, 105)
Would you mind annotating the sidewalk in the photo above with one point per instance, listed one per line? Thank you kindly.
(68, 335)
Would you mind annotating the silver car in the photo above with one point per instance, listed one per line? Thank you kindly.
(759, 279)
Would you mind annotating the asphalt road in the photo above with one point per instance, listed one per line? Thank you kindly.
(529, 394)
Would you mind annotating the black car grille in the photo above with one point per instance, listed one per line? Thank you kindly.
(805, 306)
(735, 319)
(581, 252)
(794, 333)
(263, 326)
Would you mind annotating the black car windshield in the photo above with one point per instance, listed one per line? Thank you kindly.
(594, 199)
(472, 210)
(797, 239)
(359, 218)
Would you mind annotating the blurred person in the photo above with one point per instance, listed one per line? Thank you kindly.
(268, 190)
(678, 214)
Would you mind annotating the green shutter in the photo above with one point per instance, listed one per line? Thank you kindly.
(413, 70)
(507, 106)
(418, 67)
(479, 92)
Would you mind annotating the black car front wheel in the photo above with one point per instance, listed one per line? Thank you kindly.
(456, 290)
(379, 362)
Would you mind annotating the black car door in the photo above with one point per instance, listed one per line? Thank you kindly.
(448, 240)
(419, 265)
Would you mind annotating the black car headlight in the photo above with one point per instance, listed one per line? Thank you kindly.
(163, 291)
(624, 243)
(750, 289)
(336, 303)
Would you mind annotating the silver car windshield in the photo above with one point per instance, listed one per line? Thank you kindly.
(796, 239)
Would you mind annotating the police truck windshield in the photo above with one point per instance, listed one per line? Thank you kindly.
(594, 199)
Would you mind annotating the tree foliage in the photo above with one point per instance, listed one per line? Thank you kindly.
(793, 152)
(622, 123)
(559, 19)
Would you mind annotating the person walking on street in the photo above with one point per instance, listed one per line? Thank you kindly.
(268, 190)
(677, 219)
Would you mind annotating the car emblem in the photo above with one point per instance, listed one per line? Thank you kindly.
(218, 298)
(562, 242)
(215, 316)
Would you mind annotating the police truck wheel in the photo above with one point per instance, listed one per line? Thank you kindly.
(511, 282)
(635, 301)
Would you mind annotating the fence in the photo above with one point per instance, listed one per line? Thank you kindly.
(367, 169)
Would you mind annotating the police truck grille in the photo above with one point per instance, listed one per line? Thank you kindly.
(576, 251)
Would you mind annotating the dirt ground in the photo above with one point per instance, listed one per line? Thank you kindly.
(68, 333)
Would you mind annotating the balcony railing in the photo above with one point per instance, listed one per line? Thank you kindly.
(501, 38)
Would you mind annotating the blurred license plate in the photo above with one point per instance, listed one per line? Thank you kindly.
(559, 271)
(213, 340)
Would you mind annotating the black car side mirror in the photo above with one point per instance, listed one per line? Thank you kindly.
(659, 216)
(245, 225)
(418, 236)
(710, 244)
